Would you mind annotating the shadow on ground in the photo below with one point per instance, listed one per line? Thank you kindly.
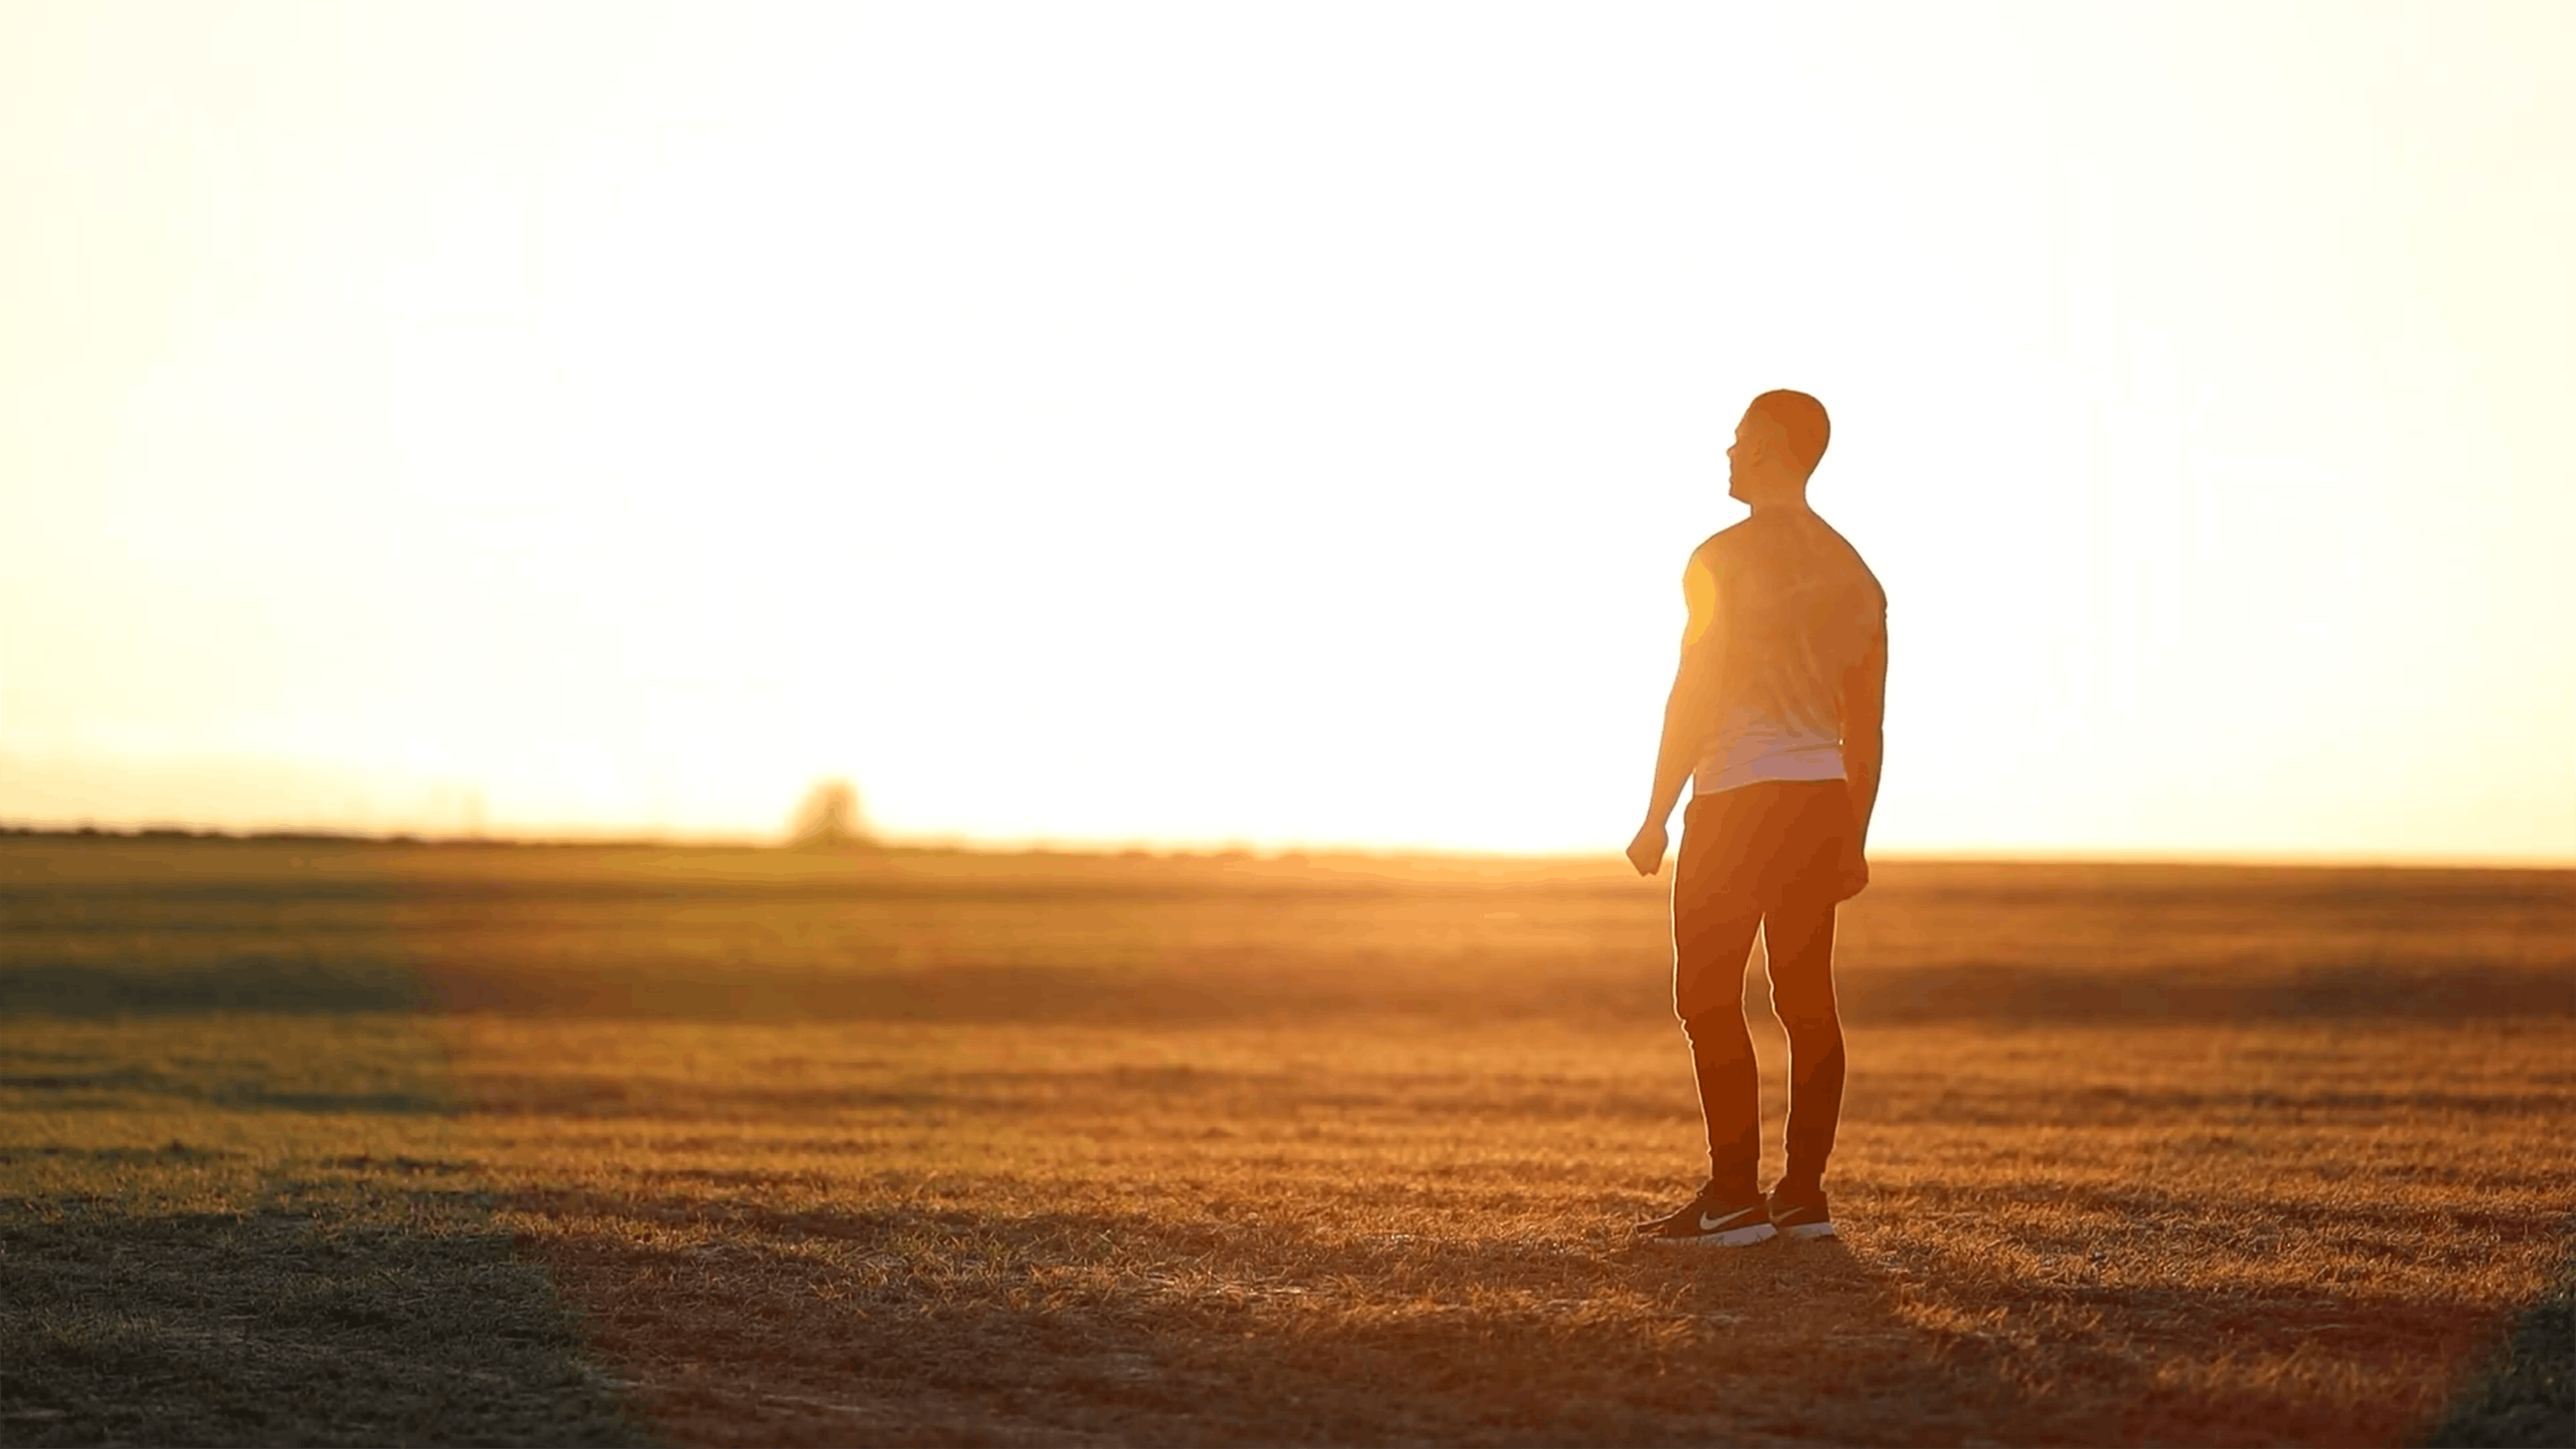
(931, 1326)
(308, 1320)
(748, 1323)
(243, 1230)
(2527, 1395)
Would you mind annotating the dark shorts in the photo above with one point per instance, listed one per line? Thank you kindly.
(1784, 850)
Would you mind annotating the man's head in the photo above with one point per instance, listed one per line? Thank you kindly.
(1778, 444)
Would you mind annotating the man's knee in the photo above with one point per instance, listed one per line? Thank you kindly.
(1806, 1008)
(1718, 1028)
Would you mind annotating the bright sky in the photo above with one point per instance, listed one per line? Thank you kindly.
(1279, 424)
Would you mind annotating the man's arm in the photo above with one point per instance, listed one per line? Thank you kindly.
(1864, 725)
(1690, 711)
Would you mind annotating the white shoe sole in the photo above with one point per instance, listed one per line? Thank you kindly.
(1809, 1230)
(1732, 1238)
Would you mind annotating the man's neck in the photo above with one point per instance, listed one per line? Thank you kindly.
(1780, 503)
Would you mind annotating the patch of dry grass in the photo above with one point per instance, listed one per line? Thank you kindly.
(119, 926)
(1384, 1231)
(965, 1149)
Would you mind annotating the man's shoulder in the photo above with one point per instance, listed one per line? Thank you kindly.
(1726, 543)
(1859, 565)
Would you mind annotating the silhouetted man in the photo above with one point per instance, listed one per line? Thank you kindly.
(1775, 715)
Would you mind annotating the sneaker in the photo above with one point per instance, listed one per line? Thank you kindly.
(1705, 1221)
(1806, 1217)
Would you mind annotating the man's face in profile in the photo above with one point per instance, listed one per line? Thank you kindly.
(1756, 453)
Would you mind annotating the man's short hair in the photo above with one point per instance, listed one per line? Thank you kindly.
(1803, 419)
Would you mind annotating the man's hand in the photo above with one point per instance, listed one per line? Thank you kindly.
(1852, 870)
(1646, 852)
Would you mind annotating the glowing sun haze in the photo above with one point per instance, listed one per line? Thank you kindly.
(1280, 424)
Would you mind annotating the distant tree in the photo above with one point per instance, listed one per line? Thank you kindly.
(828, 818)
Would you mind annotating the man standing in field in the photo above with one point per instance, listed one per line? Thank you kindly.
(1775, 713)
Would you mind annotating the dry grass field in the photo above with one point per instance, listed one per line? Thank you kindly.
(303, 1142)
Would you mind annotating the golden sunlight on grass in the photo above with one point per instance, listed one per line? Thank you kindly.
(329, 1142)
(1362, 1231)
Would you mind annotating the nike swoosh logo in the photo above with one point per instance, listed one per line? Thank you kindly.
(1709, 1224)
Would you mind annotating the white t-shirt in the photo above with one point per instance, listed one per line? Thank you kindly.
(1749, 748)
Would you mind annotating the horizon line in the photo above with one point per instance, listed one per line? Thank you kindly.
(1044, 845)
